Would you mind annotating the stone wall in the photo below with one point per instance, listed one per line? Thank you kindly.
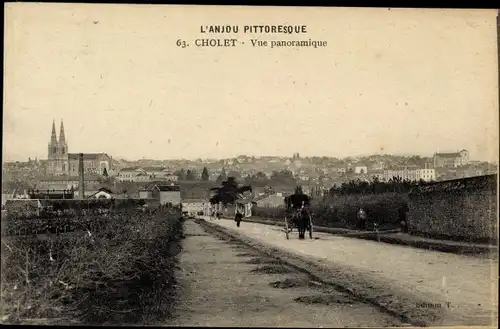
(461, 209)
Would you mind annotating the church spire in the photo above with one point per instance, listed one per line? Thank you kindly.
(62, 138)
(53, 138)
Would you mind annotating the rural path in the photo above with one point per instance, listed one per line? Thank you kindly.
(465, 286)
(225, 283)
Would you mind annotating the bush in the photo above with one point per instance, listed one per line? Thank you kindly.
(122, 274)
(341, 211)
(33, 208)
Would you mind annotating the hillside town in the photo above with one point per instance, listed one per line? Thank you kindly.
(266, 174)
(165, 173)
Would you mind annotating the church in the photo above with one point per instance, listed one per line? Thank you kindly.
(62, 163)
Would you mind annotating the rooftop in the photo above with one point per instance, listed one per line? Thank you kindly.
(86, 156)
(168, 188)
(68, 178)
(204, 200)
(448, 155)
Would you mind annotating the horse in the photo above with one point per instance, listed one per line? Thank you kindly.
(302, 221)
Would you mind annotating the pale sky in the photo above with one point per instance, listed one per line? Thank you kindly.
(409, 81)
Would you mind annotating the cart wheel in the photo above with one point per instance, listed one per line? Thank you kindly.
(286, 229)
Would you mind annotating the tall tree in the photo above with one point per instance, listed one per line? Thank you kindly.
(204, 175)
(284, 177)
(181, 174)
(235, 174)
(228, 192)
(222, 177)
(190, 175)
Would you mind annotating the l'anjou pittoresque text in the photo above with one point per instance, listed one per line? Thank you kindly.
(256, 41)
(285, 29)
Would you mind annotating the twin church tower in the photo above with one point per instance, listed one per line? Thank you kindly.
(60, 162)
(58, 151)
(57, 147)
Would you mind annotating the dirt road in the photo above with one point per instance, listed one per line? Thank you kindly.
(225, 283)
(440, 288)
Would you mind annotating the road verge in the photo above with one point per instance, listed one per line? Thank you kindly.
(361, 286)
(392, 237)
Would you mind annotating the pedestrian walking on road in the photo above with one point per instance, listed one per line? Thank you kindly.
(238, 218)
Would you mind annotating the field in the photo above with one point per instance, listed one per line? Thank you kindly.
(341, 211)
(121, 273)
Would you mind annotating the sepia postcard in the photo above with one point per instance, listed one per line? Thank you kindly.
(249, 166)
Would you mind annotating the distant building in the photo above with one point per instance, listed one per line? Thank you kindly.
(269, 201)
(194, 206)
(51, 194)
(167, 194)
(60, 162)
(103, 193)
(244, 206)
(426, 174)
(7, 196)
(160, 174)
(360, 170)
(128, 174)
(67, 182)
(378, 174)
(145, 194)
(146, 174)
(451, 160)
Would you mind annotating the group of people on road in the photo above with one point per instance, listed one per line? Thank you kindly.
(299, 200)
(294, 204)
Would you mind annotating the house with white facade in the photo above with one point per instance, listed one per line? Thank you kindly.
(146, 174)
(196, 206)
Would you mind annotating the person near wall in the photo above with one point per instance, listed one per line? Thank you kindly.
(403, 218)
(362, 219)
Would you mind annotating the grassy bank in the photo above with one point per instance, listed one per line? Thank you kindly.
(341, 211)
(121, 274)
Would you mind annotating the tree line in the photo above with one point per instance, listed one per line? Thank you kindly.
(191, 174)
(281, 177)
(396, 184)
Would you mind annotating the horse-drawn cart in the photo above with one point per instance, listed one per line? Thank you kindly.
(302, 220)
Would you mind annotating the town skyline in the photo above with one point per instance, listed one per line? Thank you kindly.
(302, 153)
(363, 95)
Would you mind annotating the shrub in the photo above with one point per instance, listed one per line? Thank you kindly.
(341, 211)
(122, 274)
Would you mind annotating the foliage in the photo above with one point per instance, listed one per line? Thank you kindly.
(205, 175)
(283, 177)
(234, 173)
(278, 178)
(228, 192)
(222, 177)
(269, 190)
(190, 175)
(120, 274)
(259, 179)
(181, 174)
(375, 187)
(18, 208)
(341, 210)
